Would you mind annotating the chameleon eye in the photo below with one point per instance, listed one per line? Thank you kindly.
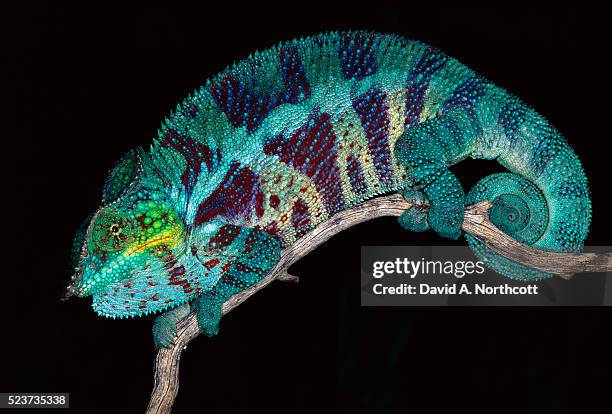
(111, 231)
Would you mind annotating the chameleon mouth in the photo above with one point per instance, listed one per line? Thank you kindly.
(72, 288)
(70, 292)
(80, 292)
(77, 288)
(83, 290)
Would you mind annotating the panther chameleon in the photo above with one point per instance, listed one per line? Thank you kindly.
(277, 143)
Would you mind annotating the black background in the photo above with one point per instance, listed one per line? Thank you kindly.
(93, 82)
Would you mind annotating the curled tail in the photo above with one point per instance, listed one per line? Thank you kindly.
(543, 201)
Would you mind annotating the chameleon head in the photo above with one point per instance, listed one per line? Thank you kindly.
(122, 239)
(135, 230)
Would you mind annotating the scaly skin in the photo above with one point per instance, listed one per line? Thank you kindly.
(276, 144)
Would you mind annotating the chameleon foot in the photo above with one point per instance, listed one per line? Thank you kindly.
(208, 311)
(164, 326)
(415, 218)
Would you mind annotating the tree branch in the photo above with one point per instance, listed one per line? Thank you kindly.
(476, 222)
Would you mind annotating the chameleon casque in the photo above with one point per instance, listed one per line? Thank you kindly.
(277, 143)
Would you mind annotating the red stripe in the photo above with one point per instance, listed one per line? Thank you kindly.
(235, 195)
(300, 218)
(311, 149)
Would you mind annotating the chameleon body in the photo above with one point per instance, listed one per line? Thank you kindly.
(279, 142)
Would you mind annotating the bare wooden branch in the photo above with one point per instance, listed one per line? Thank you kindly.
(476, 222)
(286, 277)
